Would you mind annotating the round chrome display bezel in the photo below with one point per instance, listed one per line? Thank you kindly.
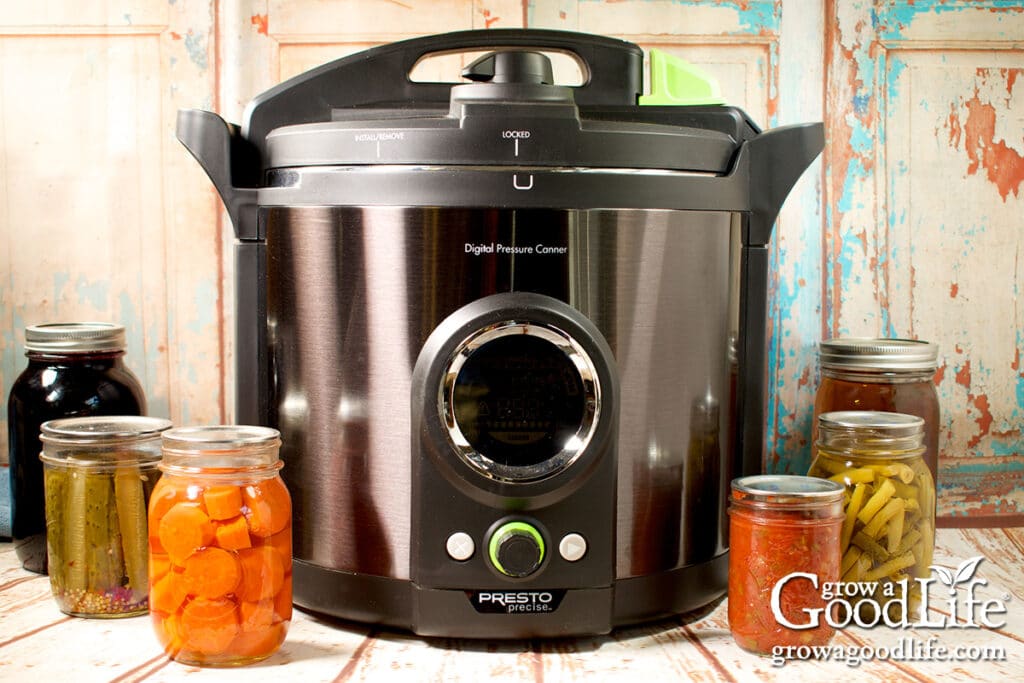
(575, 446)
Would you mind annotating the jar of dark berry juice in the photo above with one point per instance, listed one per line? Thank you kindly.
(74, 370)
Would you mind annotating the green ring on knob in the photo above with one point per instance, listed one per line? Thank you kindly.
(513, 529)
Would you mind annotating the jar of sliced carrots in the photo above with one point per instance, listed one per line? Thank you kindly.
(220, 546)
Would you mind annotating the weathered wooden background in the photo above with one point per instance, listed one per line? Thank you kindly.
(911, 225)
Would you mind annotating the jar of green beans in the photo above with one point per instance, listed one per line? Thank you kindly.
(888, 531)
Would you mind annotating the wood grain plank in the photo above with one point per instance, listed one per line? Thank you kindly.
(697, 647)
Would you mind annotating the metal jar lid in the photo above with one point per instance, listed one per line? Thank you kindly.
(104, 428)
(90, 337)
(786, 490)
(101, 440)
(221, 451)
(892, 355)
(220, 438)
(870, 429)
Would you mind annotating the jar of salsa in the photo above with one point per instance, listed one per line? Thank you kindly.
(888, 531)
(99, 473)
(74, 370)
(220, 543)
(891, 375)
(780, 525)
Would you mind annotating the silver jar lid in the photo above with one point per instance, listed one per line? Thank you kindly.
(220, 438)
(786, 490)
(103, 428)
(870, 428)
(90, 337)
(221, 451)
(879, 354)
(102, 441)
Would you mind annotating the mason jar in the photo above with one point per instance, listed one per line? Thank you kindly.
(888, 531)
(892, 375)
(220, 546)
(74, 370)
(780, 525)
(99, 473)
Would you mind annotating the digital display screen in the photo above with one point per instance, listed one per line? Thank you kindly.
(518, 399)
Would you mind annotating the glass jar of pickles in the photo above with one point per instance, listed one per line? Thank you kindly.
(74, 370)
(779, 525)
(220, 545)
(98, 473)
(894, 375)
(888, 531)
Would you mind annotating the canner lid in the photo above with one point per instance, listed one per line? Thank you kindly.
(364, 110)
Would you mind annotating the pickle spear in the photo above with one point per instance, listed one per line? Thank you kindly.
(75, 563)
(55, 491)
(97, 534)
(131, 516)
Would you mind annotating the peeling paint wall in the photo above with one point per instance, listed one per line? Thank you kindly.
(924, 207)
(910, 225)
(101, 216)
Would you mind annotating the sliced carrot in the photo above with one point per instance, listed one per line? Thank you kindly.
(211, 573)
(159, 565)
(165, 494)
(183, 530)
(256, 615)
(167, 594)
(282, 541)
(233, 534)
(209, 626)
(283, 600)
(259, 643)
(263, 571)
(168, 632)
(269, 506)
(222, 502)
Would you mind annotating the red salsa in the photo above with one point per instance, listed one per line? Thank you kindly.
(780, 525)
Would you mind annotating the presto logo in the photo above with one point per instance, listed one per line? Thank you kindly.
(516, 602)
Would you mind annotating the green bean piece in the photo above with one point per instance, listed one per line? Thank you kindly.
(870, 547)
(907, 492)
(874, 526)
(895, 532)
(832, 466)
(880, 497)
(858, 569)
(895, 470)
(891, 567)
(860, 475)
(856, 500)
(910, 539)
(850, 557)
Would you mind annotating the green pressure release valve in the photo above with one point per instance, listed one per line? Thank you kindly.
(516, 549)
(676, 82)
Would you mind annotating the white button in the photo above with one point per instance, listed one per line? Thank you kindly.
(572, 547)
(460, 546)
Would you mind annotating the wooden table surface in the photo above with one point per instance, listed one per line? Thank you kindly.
(38, 643)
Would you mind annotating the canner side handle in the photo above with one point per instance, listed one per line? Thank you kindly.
(233, 165)
(773, 161)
